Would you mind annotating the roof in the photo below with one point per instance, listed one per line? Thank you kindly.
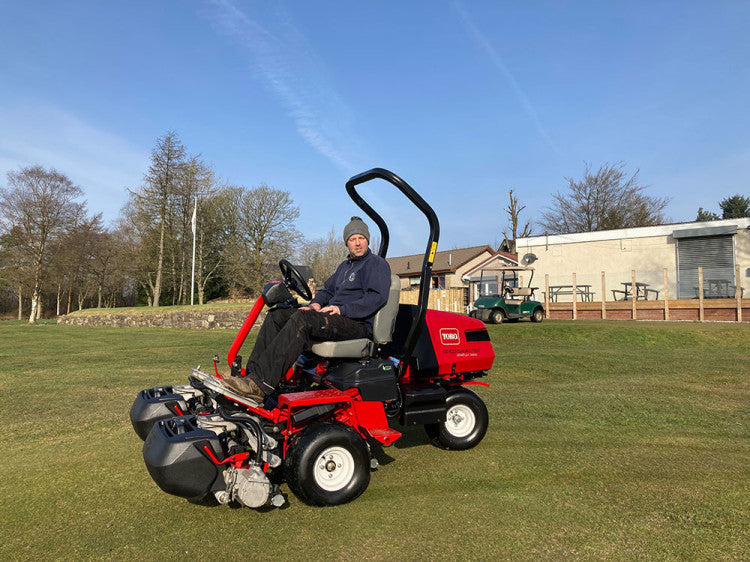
(640, 232)
(447, 261)
(496, 261)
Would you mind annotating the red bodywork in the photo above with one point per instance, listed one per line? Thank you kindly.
(455, 339)
(462, 349)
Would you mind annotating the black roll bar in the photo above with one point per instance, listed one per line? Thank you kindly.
(432, 241)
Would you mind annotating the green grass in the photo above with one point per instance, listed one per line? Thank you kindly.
(614, 440)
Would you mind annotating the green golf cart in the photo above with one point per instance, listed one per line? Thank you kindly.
(506, 295)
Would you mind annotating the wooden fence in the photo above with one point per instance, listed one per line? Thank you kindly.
(449, 300)
(701, 308)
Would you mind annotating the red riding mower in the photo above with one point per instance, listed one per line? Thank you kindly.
(206, 443)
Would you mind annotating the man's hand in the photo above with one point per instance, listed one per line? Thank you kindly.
(314, 306)
(331, 309)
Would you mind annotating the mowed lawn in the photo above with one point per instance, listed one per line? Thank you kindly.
(614, 440)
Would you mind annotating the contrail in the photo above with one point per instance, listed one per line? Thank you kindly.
(312, 104)
(497, 60)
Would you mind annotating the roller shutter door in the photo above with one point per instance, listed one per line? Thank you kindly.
(714, 253)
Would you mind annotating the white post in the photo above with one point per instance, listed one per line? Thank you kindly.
(192, 275)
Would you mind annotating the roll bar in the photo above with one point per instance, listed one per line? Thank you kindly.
(432, 241)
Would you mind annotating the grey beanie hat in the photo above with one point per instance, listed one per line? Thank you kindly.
(356, 226)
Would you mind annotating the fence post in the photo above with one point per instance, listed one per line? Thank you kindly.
(700, 293)
(633, 293)
(546, 293)
(666, 295)
(738, 291)
(604, 298)
(574, 297)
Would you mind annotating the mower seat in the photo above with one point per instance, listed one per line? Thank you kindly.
(382, 331)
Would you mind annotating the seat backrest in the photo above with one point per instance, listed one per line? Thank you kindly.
(523, 291)
(385, 318)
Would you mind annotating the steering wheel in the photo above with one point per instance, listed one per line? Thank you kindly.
(293, 280)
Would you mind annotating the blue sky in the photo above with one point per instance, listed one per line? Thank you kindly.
(464, 100)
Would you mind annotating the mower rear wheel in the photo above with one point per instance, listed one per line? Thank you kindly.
(328, 463)
(465, 424)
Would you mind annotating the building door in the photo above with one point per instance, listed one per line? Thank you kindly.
(716, 255)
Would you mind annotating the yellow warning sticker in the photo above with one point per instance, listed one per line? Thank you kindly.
(432, 252)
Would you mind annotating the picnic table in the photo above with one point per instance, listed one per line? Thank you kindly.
(641, 289)
(584, 291)
(718, 289)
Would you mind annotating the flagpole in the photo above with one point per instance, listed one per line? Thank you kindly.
(192, 276)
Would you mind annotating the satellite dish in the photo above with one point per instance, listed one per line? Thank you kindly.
(528, 259)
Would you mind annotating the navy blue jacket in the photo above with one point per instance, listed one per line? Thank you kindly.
(359, 287)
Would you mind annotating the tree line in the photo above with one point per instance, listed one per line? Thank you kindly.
(55, 256)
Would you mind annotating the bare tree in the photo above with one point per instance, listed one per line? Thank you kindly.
(264, 233)
(603, 200)
(41, 203)
(323, 255)
(15, 264)
(213, 232)
(72, 263)
(514, 210)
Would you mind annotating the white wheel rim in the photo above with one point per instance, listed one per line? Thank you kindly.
(333, 469)
(460, 421)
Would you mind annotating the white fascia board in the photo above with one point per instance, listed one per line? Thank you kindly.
(624, 233)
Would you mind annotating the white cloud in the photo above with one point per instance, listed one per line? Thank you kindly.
(102, 164)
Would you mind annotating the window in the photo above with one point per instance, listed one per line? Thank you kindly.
(438, 282)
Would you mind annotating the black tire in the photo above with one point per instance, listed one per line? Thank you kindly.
(466, 422)
(537, 315)
(497, 317)
(332, 451)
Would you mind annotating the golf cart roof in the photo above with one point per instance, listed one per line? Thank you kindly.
(502, 267)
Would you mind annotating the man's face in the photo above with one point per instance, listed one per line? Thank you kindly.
(357, 245)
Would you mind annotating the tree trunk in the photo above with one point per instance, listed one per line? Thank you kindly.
(99, 296)
(59, 296)
(20, 302)
(70, 297)
(34, 304)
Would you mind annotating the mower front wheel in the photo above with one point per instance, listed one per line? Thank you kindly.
(465, 424)
(327, 464)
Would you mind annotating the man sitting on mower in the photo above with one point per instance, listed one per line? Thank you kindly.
(343, 309)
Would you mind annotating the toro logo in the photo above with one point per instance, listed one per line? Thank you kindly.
(449, 336)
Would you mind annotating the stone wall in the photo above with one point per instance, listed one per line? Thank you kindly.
(201, 320)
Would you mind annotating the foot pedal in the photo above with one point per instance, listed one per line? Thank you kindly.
(386, 436)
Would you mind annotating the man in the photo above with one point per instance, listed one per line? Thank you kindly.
(343, 309)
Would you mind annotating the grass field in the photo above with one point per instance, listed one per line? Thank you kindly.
(615, 440)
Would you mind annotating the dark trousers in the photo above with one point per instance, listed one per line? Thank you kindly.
(287, 332)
